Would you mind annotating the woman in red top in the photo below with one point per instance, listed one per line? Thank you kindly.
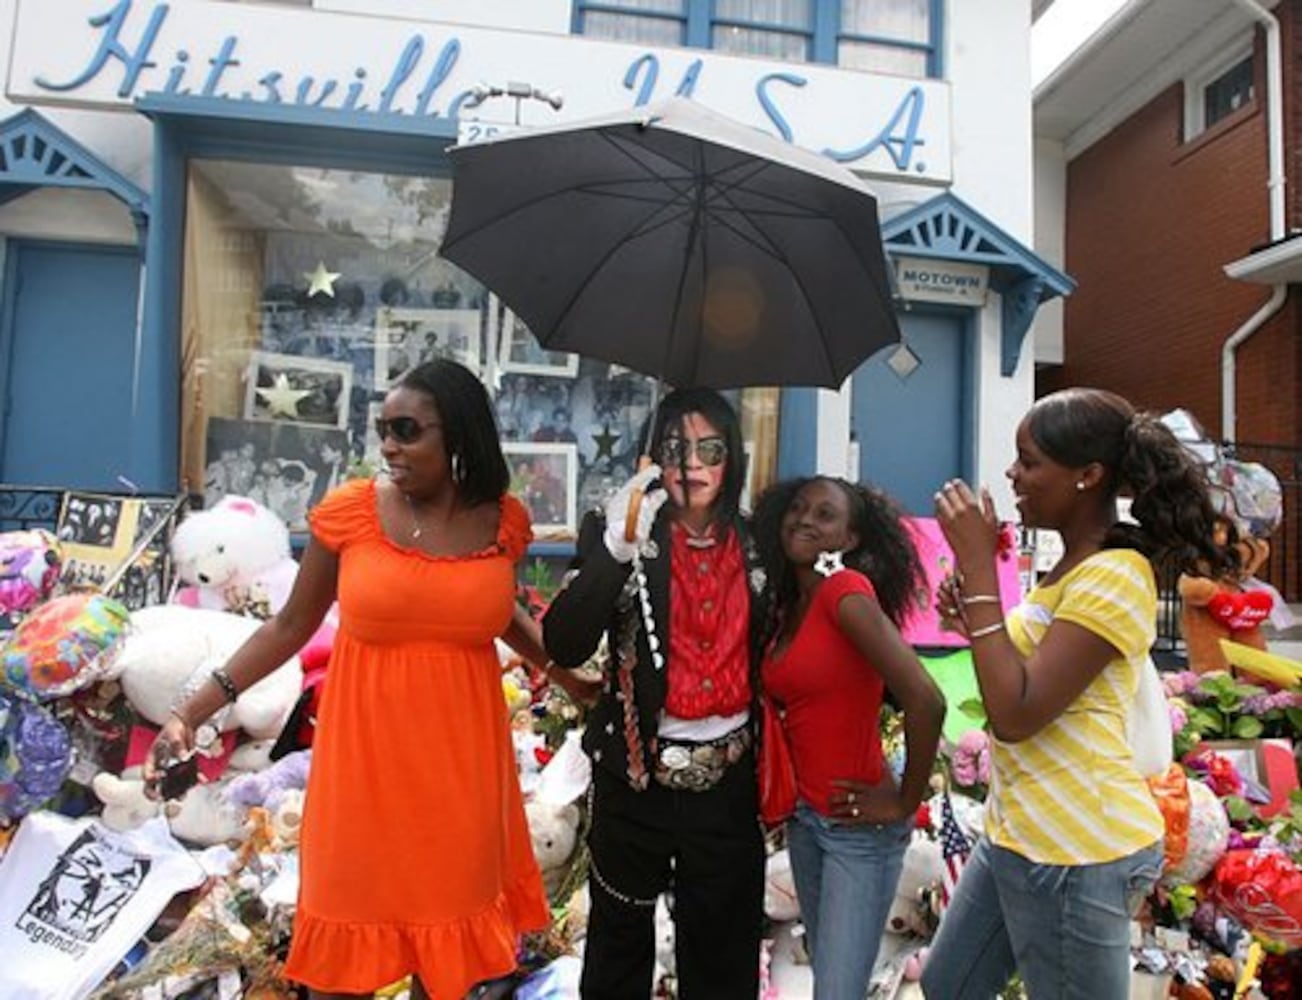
(842, 574)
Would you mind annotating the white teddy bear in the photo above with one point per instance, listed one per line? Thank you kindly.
(924, 866)
(553, 831)
(169, 647)
(203, 816)
(235, 556)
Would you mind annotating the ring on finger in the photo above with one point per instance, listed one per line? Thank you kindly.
(855, 812)
(849, 797)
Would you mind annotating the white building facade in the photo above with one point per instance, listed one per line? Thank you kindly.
(220, 225)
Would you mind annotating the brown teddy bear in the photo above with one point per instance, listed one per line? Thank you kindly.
(1211, 610)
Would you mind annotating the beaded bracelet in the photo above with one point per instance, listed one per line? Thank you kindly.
(223, 680)
(981, 599)
(988, 630)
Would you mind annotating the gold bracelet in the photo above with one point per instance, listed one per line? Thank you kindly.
(981, 599)
(988, 630)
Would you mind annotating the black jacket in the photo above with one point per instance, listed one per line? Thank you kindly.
(599, 596)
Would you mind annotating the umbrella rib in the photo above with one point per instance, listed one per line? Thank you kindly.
(694, 233)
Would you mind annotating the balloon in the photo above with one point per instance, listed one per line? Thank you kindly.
(65, 644)
(1263, 891)
(35, 756)
(1208, 833)
(29, 569)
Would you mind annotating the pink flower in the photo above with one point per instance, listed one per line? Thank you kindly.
(971, 761)
(1178, 717)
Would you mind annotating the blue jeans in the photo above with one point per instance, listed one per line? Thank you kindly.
(845, 880)
(1065, 928)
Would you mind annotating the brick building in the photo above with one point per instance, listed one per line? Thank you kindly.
(1166, 185)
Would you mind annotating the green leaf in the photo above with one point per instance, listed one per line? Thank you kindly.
(1294, 716)
(1238, 809)
(1246, 727)
(1207, 720)
(973, 709)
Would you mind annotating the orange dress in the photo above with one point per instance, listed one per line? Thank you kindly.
(415, 851)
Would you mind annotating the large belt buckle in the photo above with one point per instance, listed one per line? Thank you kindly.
(675, 758)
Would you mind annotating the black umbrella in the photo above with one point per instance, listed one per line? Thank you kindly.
(678, 243)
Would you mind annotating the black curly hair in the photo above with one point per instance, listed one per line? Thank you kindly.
(886, 553)
(1142, 459)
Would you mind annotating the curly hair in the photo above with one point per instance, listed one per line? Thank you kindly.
(1142, 459)
(886, 553)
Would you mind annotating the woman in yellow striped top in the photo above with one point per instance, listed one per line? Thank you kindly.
(1072, 837)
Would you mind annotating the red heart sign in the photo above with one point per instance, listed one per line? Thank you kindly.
(1242, 611)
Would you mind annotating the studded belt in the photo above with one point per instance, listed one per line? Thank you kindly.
(695, 766)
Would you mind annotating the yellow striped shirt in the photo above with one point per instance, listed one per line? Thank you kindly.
(1070, 794)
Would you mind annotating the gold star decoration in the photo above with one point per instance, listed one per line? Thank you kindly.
(282, 398)
(321, 280)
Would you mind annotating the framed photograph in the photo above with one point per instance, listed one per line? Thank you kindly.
(545, 478)
(406, 337)
(286, 387)
(100, 531)
(285, 466)
(520, 352)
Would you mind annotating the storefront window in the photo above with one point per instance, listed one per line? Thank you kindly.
(308, 292)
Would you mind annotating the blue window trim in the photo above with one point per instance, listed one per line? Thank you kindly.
(823, 37)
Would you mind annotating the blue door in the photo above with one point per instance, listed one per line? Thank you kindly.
(913, 427)
(66, 349)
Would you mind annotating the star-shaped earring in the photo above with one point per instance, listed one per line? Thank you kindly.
(321, 280)
(282, 398)
(828, 563)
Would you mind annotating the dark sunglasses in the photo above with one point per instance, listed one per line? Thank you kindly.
(404, 430)
(711, 451)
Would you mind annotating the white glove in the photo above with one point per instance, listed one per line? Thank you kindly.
(617, 508)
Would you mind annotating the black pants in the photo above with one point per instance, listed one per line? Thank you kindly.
(707, 848)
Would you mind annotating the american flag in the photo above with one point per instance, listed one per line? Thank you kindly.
(954, 848)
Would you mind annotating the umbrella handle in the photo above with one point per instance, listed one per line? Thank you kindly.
(635, 504)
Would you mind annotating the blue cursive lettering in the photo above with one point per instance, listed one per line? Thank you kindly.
(411, 54)
(771, 109)
(219, 63)
(111, 47)
(441, 71)
(899, 147)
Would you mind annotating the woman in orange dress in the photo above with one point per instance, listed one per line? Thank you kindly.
(415, 853)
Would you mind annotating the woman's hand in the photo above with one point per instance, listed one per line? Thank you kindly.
(174, 743)
(857, 803)
(969, 524)
(949, 605)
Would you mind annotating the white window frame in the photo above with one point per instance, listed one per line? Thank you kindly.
(1197, 82)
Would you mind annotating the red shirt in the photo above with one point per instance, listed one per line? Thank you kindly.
(832, 696)
(709, 617)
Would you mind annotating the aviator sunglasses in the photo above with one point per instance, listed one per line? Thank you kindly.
(710, 450)
(404, 430)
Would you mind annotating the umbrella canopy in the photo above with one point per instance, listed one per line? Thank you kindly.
(679, 243)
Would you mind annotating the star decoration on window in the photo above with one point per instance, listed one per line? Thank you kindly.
(282, 399)
(321, 281)
(605, 442)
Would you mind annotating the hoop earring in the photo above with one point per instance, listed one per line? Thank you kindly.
(458, 473)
